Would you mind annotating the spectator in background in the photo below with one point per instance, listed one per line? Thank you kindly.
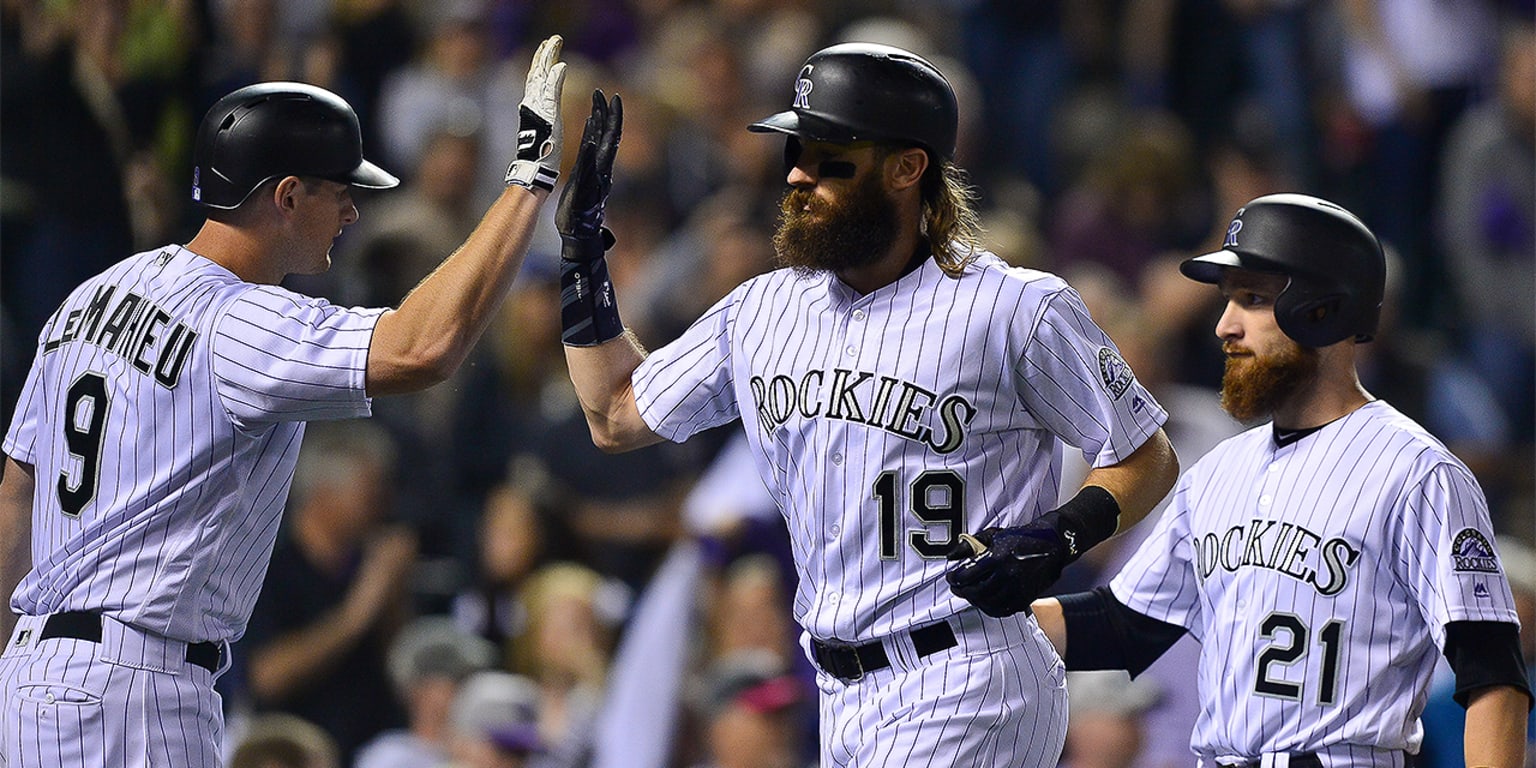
(1409, 79)
(1107, 725)
(566, 650)
(1487, 218)
(751, 713)
(455, 80)
(1135, 200)
(427, 665)
(495, 723)
(66, 151)
(284, 741)
(511, 544)
(335, 593)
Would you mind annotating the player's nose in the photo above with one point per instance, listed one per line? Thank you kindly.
(799, 177)
(349, 214)
(1230, 325)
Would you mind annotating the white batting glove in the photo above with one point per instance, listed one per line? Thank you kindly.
(538, 121)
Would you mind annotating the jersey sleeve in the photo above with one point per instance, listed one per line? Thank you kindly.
(281, 356)
(1073, 380)
(1447, 557)
(685, 387)
(21, 437)
(1159, 580)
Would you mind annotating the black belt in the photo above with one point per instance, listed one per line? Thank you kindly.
(86, 625)
(1298, 760)
(851, 662)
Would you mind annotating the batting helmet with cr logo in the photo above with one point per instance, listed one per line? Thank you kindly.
(1335, 264)
(866, 91)
(271, 130)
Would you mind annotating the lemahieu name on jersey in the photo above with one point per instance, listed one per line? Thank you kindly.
(134, 329)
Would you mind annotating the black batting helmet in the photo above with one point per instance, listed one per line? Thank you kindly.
(271, 130)
(1335, 264)
(866, 91)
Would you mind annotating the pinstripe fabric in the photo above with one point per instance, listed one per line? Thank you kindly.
(886, 424)
(192, 478)
(78, 704)
(1351, 546)
(999, 698)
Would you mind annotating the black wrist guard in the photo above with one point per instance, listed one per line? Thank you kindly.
(589, 313)
(1087, 520)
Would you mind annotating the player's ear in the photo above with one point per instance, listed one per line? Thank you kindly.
(904, 167)
(285, 194)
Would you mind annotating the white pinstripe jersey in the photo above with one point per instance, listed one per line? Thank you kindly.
(1319, 577)
(163, 415)
(886, 424)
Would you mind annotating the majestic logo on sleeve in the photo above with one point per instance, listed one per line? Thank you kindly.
(1470, 551)
(899, 407)
(1279, 546)
(1116, 374)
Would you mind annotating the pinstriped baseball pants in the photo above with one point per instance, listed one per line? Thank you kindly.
(131, 700)
(997, 699)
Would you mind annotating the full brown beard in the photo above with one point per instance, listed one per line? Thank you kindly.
(855, 232)
(1254, 386)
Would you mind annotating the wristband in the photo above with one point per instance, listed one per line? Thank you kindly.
(1088, 519)
(589, 313)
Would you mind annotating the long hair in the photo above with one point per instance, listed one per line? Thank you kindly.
(950, 222)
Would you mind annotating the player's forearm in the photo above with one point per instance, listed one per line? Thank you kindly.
(15, 536)
(601, 375)
(427, 338)
(1140, 481)
(1495, 731)
(1048, 615)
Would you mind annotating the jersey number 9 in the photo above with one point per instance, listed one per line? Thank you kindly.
(85, 419)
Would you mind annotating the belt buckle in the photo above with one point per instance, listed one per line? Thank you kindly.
(858, 664)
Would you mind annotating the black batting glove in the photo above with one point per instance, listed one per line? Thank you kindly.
(1006, 569)
(589, 313)
(1017, 566)
(579, 217)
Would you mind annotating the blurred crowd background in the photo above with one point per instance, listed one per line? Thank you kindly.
(463, 580)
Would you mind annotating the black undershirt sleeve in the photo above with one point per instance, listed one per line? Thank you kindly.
(1102, 633)
(1484, 654)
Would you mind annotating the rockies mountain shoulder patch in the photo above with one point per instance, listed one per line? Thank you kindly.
(1470, 551)
(1116, 374)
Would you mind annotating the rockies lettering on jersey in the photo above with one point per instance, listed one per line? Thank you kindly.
(898, 407)
(135, 327)
(1280, 546)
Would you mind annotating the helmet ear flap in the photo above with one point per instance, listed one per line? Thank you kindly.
(1312, 320)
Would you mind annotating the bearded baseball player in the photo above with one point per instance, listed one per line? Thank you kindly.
(900, 389)
(1321, 559)
(155, 438)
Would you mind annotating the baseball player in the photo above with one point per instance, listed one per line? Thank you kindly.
(1323, 558)
(900, 388)
(154, 441)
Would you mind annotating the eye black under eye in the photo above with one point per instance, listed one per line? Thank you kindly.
(836, 169)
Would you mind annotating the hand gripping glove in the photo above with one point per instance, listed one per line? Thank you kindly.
(1004, 569)
(537, 165)
(589, 314)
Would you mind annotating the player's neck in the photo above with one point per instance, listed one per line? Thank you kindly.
(1335, 394)
(239, 250)
(907, 254)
